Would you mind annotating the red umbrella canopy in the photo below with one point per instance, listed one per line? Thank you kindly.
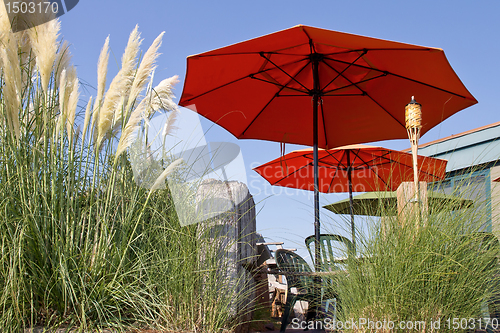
(262, 88)
(373, 169)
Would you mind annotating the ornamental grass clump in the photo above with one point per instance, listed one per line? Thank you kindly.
(442, 269)
(81, 244)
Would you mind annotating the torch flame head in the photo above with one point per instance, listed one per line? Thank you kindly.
(413, 114)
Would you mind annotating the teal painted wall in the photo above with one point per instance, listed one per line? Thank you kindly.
(464, 151)
(476, 151)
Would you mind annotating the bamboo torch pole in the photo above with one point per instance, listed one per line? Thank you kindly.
(413, 115)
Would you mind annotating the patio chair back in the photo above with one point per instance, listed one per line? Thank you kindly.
(332, 248)
(289, 261)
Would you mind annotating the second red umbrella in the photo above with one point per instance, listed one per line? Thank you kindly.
(354, 168)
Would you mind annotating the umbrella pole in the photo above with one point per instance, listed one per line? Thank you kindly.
(315, 98)
(317, 248)
(351, 202)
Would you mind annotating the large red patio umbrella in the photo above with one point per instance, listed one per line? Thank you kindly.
(358, 168)
(321, 88)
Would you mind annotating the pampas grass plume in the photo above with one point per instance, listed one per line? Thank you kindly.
(145, 69)
(62, 61)
(62, 92)
(12, 82)
(163, 95)
(44, 43)
(119, 87)
(4, 20)
(128, 132)
(102, 70)
(160, 181)
(169, 124)
(71, 107)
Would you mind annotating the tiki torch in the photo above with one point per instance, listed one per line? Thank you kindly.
(413, 115)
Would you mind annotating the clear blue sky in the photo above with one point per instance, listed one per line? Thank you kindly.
(468, 31)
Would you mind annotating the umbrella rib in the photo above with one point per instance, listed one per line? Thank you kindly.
(426, 84)
(367, 163)
(276, 95)
(305, 93)
(396, 75)
(388, 160)
(336, 95)
(297, 45)
(214, 89)
(377, 49)
(364, 92)
(264, 71)
(340, 73)
(278, 67)
(280, 85)
(312, 49)
(356, 154)
(337, 169)
(363, 165)
(378, 176)
(265, 106)
(292, 173)
(352, 84)
(339, 162)
(251, 76)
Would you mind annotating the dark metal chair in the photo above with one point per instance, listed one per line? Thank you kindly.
(298, 275)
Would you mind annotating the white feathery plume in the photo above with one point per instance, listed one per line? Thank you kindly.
(10, 46)
(12, 80)
(26, 56)
(4, 20)
(102, 70)
(129, 62)
(119, 87)
(129, 58)
(25, 52)
(71, 106)
(163, 95)
(44, 43)
(160, 181)
(62, 60)
(71, 77)
(61, 118)
(118, 115)
(169, 127)
(62, 92)
(66, 88)
(132, 125)
(145, 69)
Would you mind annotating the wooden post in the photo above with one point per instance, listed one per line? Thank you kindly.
(230, 232)
(408, 207)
